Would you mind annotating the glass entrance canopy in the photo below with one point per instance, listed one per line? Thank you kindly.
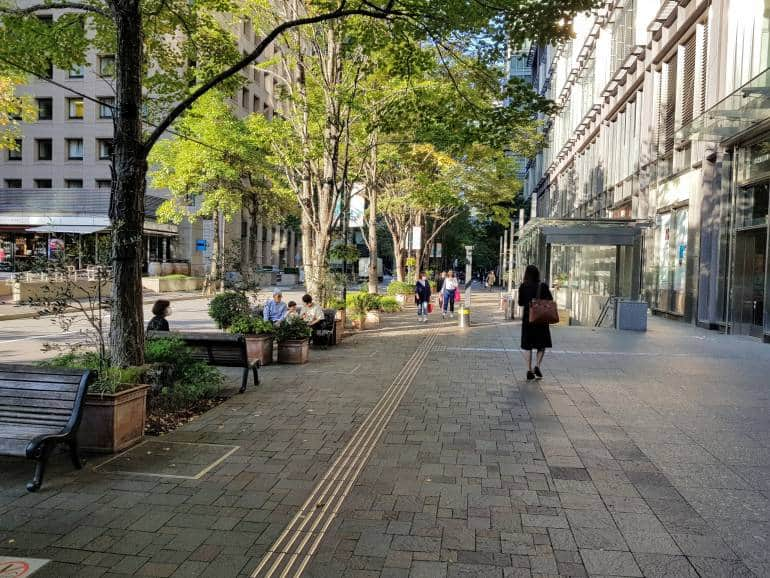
(736, 113)
(586, 261)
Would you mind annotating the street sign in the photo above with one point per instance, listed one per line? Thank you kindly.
(11, 567)
(201, 245)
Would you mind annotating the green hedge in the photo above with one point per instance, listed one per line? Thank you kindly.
(400, 288)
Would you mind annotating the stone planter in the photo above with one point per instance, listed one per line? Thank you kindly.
(294, 351)
(162, 285)
(260, 347)
(403, 298)
(359, 323)
(372, 318)
(113, 422)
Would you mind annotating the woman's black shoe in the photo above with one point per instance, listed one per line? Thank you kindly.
(530, 376)
(538, 375)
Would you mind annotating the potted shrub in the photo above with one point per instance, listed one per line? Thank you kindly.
(259, 337)
(402, 291)
(115, 411)
(364, 307)
(293, 335)
(226, 307)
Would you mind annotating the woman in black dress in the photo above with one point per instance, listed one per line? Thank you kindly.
(533, 336)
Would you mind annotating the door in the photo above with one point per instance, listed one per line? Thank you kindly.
(750, 266)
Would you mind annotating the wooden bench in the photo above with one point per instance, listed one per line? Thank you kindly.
(39, 408)
(325, 332)
(218, 349)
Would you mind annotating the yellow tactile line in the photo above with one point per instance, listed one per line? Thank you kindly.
(327, 496)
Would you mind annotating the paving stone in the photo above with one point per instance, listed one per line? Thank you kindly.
(428, 570)
(609, 563)
(665, 566)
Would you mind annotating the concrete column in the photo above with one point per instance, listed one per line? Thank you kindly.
(291, 249)
(267, 248)
(510, 261)
(258, 243)
(276, 259)
(504, 270)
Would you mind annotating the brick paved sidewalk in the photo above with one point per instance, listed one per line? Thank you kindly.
(636, 455)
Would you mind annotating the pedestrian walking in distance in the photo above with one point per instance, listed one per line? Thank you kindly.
(422, 297)
(448, 294)
(533, 336)
(160, 310)
(491, 279)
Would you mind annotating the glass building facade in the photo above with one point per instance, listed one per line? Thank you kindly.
(663, 117)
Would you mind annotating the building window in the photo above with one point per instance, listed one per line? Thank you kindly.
(76, 71)
(75, 149)
(75, 108)
(12, 183)
(43, 184)
(257, 104)
(15, 155)
(103, 184)
(107, 66)
(44, 149)
(73, 183)
(106, 105)
(245, 98)
(44, 108)
(105, 148)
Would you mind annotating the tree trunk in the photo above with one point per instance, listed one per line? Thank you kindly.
(400, 264)
(128, 188)
(251, 264)
(216, 264)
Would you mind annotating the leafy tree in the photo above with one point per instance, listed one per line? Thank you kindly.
(13, 110)
(225, 168)
(153, 40)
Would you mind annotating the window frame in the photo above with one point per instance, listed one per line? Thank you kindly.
(12, 155)
(103, 107)
(48, 99)
(99, 143)
(38, 181)
(73, 100)
(38, 143)
(69, 143)
(8, 183)
(67, 183)
(103, 60)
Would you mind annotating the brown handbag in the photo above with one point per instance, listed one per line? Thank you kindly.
(543, 311)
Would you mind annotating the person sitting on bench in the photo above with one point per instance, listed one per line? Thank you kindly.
(311, 313)
(275, 310)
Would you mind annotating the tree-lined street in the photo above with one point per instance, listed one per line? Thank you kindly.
(636, 455)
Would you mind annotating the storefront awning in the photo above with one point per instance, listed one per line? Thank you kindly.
(586, 231)
(76, 229)
(743, 109)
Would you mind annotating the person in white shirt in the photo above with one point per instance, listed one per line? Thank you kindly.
(448, 294)
(311, 313)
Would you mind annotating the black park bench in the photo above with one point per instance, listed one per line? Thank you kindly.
(39, 408)
(217, 349)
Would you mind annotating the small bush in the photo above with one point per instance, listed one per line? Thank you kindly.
(400, 288)
(388, 304)
(109, 380)
(251, 325)
(166, 350)
(334, 303)
(359, 303)
(292, 328)
(227, 306)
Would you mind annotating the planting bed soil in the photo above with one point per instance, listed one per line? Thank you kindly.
(162, 420)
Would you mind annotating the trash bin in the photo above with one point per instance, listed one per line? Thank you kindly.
(631, 315)
(464, 317)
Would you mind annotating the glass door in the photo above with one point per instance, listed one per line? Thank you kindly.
(749, 295)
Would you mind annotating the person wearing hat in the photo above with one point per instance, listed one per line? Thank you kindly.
(275, 310)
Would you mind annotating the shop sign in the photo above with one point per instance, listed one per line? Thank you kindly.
(11, 567)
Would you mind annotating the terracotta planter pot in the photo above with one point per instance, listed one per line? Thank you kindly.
(294, 351)
(260, 347)
(113, 422)
(372, 318)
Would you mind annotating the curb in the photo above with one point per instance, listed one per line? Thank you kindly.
(32, 315)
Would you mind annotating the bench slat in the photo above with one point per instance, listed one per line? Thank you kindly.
(41, 374)
(13, 447)
(38, 403)
(55, 422)
(27, 409)
(38, 385)
(36, 393)
(26, 431)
